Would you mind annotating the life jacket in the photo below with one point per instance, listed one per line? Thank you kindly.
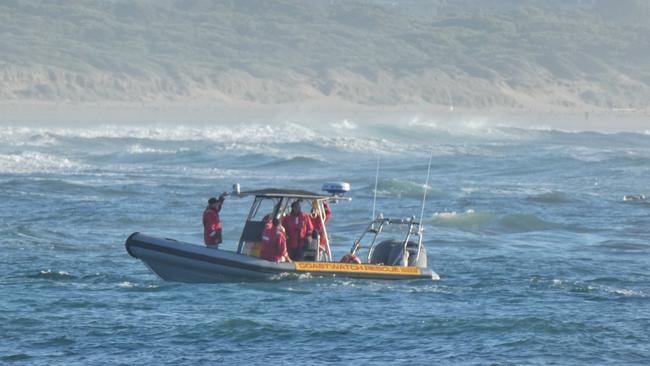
(318, 224)
(297, 228)
(211, 223)
(273, 243)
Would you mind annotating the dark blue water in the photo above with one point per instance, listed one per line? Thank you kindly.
(541, 261)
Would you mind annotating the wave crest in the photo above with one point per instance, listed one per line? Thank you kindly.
(404, 188)
(510, 223)
(35, 162)
(551, 197)
(465, 220)
(54, 275)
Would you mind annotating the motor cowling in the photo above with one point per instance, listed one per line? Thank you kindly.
(392, 253)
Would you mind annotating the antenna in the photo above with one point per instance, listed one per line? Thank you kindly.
(426, 186)
(374, 198)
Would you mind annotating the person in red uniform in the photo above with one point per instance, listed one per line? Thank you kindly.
(298, 228)
(318, 225)
(212, 223)
(274, 243)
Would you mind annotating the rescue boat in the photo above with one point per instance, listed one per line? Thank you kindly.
(395, 258)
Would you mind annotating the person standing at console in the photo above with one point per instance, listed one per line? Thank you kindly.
(319, 225)
(298, 227)
(212, 222)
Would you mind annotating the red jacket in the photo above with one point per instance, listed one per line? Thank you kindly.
(274, 244)
(211, 226)
(316, 223)
(298, 227)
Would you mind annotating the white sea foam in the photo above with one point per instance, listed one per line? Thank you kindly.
(469, 219)
(589, 155)
(26, 137)
(139, 149)
(283, 132)
(365, 145)
(476, 124)
(36, 162)
(626, 292)
(475, 127)
(345, 125)
(416, 122)
(470, 190)
(243, 137)
(345, 136)
(49, 272)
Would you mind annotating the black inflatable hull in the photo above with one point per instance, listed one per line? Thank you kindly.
(177, 261)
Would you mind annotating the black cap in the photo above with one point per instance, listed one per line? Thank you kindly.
(212, 200)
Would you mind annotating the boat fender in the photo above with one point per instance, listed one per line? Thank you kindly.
(350, 258)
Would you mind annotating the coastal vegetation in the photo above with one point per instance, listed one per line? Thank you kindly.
(511, 54)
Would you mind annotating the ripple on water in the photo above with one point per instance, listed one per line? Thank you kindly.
(595, 288)
(16, 357)
(553, 197)
(70, 294)
(56, 341)
(620, 246)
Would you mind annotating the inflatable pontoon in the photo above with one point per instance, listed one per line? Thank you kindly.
(392, 259)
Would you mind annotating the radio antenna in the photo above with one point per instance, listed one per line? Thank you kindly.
(426, 186)
(374, 198)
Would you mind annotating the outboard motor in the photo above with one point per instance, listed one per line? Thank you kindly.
(391, 252)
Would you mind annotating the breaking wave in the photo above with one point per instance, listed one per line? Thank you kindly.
(402, 188)
(253, 133)
(415, 137)
(525, 223)
(27, 162)
(260, 138)
(510, 223)
(140, 149)
(588, 287)
(469, 220)
(53, 275)
(623, 246)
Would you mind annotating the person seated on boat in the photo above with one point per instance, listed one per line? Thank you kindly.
(212, 223)
(318, 224)
(298, 228)
(274, 242)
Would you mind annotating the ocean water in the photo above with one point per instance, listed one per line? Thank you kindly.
(540, 259)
